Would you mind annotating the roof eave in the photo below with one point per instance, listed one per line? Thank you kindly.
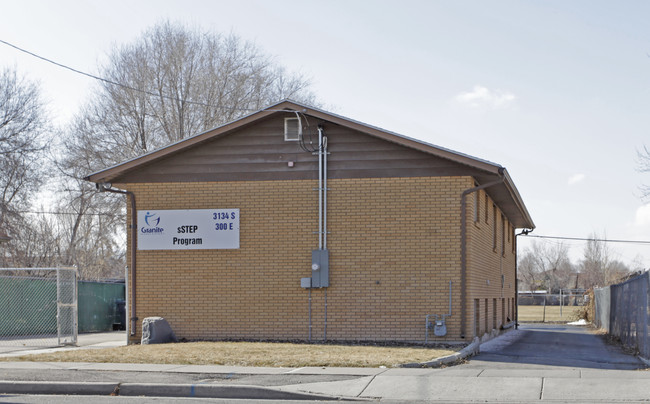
(115, 171)
(487, 167)
(527, 221)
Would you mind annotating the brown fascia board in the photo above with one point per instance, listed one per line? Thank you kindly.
(406, 141)
(117, 170)
(107, 175)
(527, 221)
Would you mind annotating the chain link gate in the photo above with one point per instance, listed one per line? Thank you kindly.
(38, 308)
(66, 306)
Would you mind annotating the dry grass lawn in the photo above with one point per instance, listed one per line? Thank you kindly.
(249, 354)
(535, 314)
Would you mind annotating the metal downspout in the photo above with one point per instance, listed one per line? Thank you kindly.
(516, 305)
(323, 152)
(463, 248)
(134, 229)
(126, 300)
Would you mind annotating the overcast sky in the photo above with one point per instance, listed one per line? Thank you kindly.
(558, 92)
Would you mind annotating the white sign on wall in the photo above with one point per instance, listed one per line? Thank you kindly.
(192, 229)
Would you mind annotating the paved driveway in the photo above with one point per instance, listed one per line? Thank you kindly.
(537, 363)
(554, 345)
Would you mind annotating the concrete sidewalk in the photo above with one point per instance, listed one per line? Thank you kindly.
(512, 368)
(35, 345)
(458, 383)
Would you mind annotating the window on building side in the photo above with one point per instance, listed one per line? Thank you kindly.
(494, 227)
(503, 235)
(486, 208)
(477, 216)
(292, 129)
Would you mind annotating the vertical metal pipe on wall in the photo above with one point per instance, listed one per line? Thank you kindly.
(325, 326)
(322, 207)
(320, 257)
(126, 300)
(515, 306)
(134, 232)
(322, 148)
(105, 187)
(320, 188)
(325, 192)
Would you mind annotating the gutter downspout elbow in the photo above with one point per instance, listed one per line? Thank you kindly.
(463, 247)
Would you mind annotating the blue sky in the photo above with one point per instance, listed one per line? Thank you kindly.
(558, 92)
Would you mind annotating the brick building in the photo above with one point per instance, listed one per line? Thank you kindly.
(248, 231)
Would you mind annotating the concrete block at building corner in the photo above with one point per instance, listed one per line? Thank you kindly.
(156, 330)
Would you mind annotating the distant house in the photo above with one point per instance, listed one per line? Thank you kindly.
(247, 231)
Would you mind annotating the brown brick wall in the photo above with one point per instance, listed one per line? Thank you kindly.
(486, 265)
(394, 247)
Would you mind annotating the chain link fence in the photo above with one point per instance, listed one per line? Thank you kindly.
(38, 307)
(541, 307)
(624, 311)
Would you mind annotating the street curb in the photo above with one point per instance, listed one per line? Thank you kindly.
(469, 350)
(88, 388)
(644, 360)
(215, 391)
(156, 390)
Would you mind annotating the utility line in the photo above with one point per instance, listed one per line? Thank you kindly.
(115, 83)
(588, 239)
(69, 213)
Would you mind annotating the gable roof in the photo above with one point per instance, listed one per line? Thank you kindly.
(504, 194)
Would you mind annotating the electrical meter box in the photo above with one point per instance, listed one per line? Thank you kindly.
(320, 269)
(305, 283)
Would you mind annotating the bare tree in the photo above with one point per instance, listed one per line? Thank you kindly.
(546, 267)
(22, 125)
(643, 161)
(597, 268)
(22, 128)
(528, 272)
(34, 243)
(175, 82)
(178, 82)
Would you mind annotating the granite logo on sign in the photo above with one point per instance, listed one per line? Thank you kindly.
(152, 220)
